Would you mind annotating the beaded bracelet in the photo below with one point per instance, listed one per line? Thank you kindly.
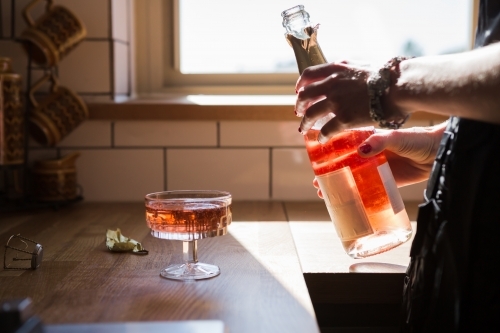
(377, 84)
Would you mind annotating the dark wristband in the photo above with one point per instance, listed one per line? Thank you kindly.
(378, 83)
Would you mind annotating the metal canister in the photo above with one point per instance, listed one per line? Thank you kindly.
(11, 115)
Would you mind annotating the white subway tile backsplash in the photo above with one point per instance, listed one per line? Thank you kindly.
(119, 174)
(260, 133)
(93, 13)
(243, 172)
(292, 175)
(90, 133)
(166, 133)
(87, 68)
(128, 173)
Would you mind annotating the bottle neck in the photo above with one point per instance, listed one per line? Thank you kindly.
(295, 21)
(307, 52)
(302, 37)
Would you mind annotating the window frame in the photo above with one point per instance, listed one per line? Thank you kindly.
(157, 63)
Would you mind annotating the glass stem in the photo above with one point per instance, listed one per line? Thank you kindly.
(190, 252)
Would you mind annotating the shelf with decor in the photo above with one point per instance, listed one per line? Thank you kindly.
(44, 111)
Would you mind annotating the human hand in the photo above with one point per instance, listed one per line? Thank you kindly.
(337, 87)
(410, 152)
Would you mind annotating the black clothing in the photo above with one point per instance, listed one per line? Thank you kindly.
(488, 27)
(451, 285)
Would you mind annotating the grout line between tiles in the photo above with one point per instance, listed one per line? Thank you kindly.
(105, 39)
(165, 178)
(112, 132)
(13, 19)
(285, 211)
(108, 93)
(110, 22)
(113, 145)
(148, 47)
(1, 19)
(119, 41)
(111, 50)
(98, 39)
(262, 147)
(218, 134)
(270, 173)
(129, 52)
(112, 68)
(99, 148)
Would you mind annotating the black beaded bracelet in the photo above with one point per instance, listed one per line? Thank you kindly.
(378, 83)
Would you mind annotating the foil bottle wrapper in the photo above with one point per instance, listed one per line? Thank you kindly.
(307, 51)
(117, 242)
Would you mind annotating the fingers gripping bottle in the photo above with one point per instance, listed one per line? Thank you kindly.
(360, 193)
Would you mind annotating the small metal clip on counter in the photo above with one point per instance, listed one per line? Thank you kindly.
(19, 250)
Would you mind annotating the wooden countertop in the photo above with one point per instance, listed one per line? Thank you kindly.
(266, 260)
(347, 292)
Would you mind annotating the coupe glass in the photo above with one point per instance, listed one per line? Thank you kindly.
(188, 216)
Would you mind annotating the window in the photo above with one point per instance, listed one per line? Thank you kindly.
(235, 46)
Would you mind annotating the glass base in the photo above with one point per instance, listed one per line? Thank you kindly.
(188, 236)
(190, 271)
(376, 243)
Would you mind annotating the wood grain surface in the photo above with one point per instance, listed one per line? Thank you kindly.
(283, 270)
(261, 287)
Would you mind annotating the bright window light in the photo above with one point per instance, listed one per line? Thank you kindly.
(227, 36)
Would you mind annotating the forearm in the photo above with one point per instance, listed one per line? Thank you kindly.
(465, 85)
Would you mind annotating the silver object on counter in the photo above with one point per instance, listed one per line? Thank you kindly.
(17, 258)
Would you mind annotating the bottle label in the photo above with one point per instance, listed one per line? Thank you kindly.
(391, 188)
(344, 204)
